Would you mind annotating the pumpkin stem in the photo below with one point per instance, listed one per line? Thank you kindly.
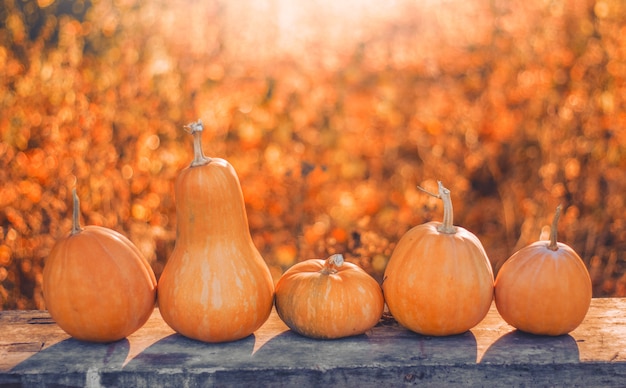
(75, 214)
(332, 263)
(196, 129)
(447, 226)
(553, 242)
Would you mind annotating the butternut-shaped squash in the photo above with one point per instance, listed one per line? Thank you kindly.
(215, 286)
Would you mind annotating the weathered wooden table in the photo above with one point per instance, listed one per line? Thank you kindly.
(35, 352)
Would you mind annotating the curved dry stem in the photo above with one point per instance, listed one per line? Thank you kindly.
(447, 226)
(76, 228)
(553, 230)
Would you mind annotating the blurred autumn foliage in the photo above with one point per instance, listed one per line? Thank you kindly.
(332, 113)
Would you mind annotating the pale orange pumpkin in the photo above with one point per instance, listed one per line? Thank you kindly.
(328, 299)
(97, 286)
(439, 280)
(215, 286)
(544, 288)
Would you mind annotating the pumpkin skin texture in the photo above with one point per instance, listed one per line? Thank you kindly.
(215, 286)
(544, 288)
(97, 285)
(439, 280)
(328, 299)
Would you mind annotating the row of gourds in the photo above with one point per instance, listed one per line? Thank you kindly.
(216, 287)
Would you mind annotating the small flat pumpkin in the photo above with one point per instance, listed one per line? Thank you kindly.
(328, 299)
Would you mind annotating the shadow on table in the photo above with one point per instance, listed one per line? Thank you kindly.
(179, 352)
(73, 359)
(377, 347)
(387, 356)
(75, 355)
(180, 361)
(519, 347)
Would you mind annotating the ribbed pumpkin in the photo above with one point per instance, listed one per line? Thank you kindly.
(96, 284)
(328, 299)
(215, 286)
(544, 288)
(439, 280)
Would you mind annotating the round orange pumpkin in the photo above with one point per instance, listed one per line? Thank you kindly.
(544, 288)
(97, 286)
(215, 286)
(439, 280)
(328, 299)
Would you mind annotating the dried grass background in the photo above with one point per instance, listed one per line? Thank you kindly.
(332, 113)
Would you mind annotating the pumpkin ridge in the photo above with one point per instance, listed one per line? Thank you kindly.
(147, 268)
(539, 275)
(125, 278)
(111, 255)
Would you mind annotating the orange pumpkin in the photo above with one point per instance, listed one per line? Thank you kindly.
(544, 288)
(96, 284)
(328, 299)
(215, 286)
(438, 280)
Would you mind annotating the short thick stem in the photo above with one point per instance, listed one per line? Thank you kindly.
(332, 263)
(75, 213)
(553, 231)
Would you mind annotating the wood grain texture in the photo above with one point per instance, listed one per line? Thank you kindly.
(35, 351)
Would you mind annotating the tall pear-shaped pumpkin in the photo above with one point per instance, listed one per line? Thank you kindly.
(215, 286)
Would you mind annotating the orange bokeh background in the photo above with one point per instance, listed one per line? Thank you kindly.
(331, 112)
